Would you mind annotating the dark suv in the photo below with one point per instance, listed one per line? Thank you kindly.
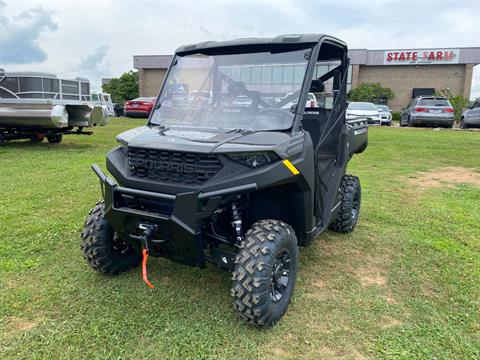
(239, 184)
(428, 111)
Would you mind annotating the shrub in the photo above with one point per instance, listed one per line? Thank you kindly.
(371, 92)
(122, 88)
(458, 102)
(396, 115)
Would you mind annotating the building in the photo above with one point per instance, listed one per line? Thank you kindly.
(402, 70)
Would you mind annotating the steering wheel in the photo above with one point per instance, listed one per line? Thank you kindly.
(263, 119)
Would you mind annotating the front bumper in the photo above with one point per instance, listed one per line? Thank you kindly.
(178, 217)
(385, 120)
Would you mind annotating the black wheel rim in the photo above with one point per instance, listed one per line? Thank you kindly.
(280, 276)
(355, 205)
(120, 247)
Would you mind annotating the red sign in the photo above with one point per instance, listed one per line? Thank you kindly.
(413, 57)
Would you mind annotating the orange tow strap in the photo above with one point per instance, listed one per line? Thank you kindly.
(144, 268)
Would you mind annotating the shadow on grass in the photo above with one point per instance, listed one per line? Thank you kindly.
(44, 146)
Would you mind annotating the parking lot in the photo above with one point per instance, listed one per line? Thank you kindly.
(405, 284)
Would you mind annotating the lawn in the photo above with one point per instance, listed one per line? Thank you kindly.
(405, 284)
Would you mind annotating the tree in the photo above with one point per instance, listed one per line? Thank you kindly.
(123, 88)
(458, 102)
(371, 92)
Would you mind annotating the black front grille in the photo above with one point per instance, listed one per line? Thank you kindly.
(174, 167)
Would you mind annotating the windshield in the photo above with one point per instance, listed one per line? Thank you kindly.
(383, 107)
(254, 91)
(361, 106)
(434, 102)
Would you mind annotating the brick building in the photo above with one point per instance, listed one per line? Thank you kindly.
(401, 70)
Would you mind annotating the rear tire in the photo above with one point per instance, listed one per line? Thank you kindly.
(463, 125)
(350, 200)
(55, 138)
(265, 272)
(103, 250)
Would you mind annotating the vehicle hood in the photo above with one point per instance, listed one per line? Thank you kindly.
(201, 141)
(362, 112)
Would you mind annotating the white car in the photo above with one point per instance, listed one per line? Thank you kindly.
(366, 110)
(385, 115)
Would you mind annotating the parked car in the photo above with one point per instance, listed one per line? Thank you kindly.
(139, 107)
(471, 116)
(385, 115)
(428, 111)
(364, 110)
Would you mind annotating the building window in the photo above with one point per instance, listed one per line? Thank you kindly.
(298, 74)
(277, 76)
(236, 73)
(321, 70)
(227, 71)
(245, 74)
(267, 75)
(288, 74)
(256, 75)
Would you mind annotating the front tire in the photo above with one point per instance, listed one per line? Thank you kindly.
(265, 272)
(103, 250)
(463, 125)
(350, 199)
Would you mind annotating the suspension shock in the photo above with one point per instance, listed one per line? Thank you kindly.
(237, 220)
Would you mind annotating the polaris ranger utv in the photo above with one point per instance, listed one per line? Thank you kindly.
(233, 169)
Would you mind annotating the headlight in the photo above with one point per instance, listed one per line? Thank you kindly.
(253, 159)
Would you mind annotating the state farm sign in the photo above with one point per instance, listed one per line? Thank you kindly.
(421, 57)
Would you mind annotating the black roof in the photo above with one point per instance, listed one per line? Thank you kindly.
(289, 39)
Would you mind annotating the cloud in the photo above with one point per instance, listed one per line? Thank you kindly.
(19, 43)
(94, 66)
(92, 61)
(165, 25)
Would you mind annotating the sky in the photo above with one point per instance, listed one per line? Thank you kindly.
(96, 39)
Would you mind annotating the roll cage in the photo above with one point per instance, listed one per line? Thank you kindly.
(319, 47)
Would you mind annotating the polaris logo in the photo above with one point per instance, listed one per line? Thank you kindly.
(159, 165)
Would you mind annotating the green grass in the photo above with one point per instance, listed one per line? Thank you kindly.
(405, 284)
